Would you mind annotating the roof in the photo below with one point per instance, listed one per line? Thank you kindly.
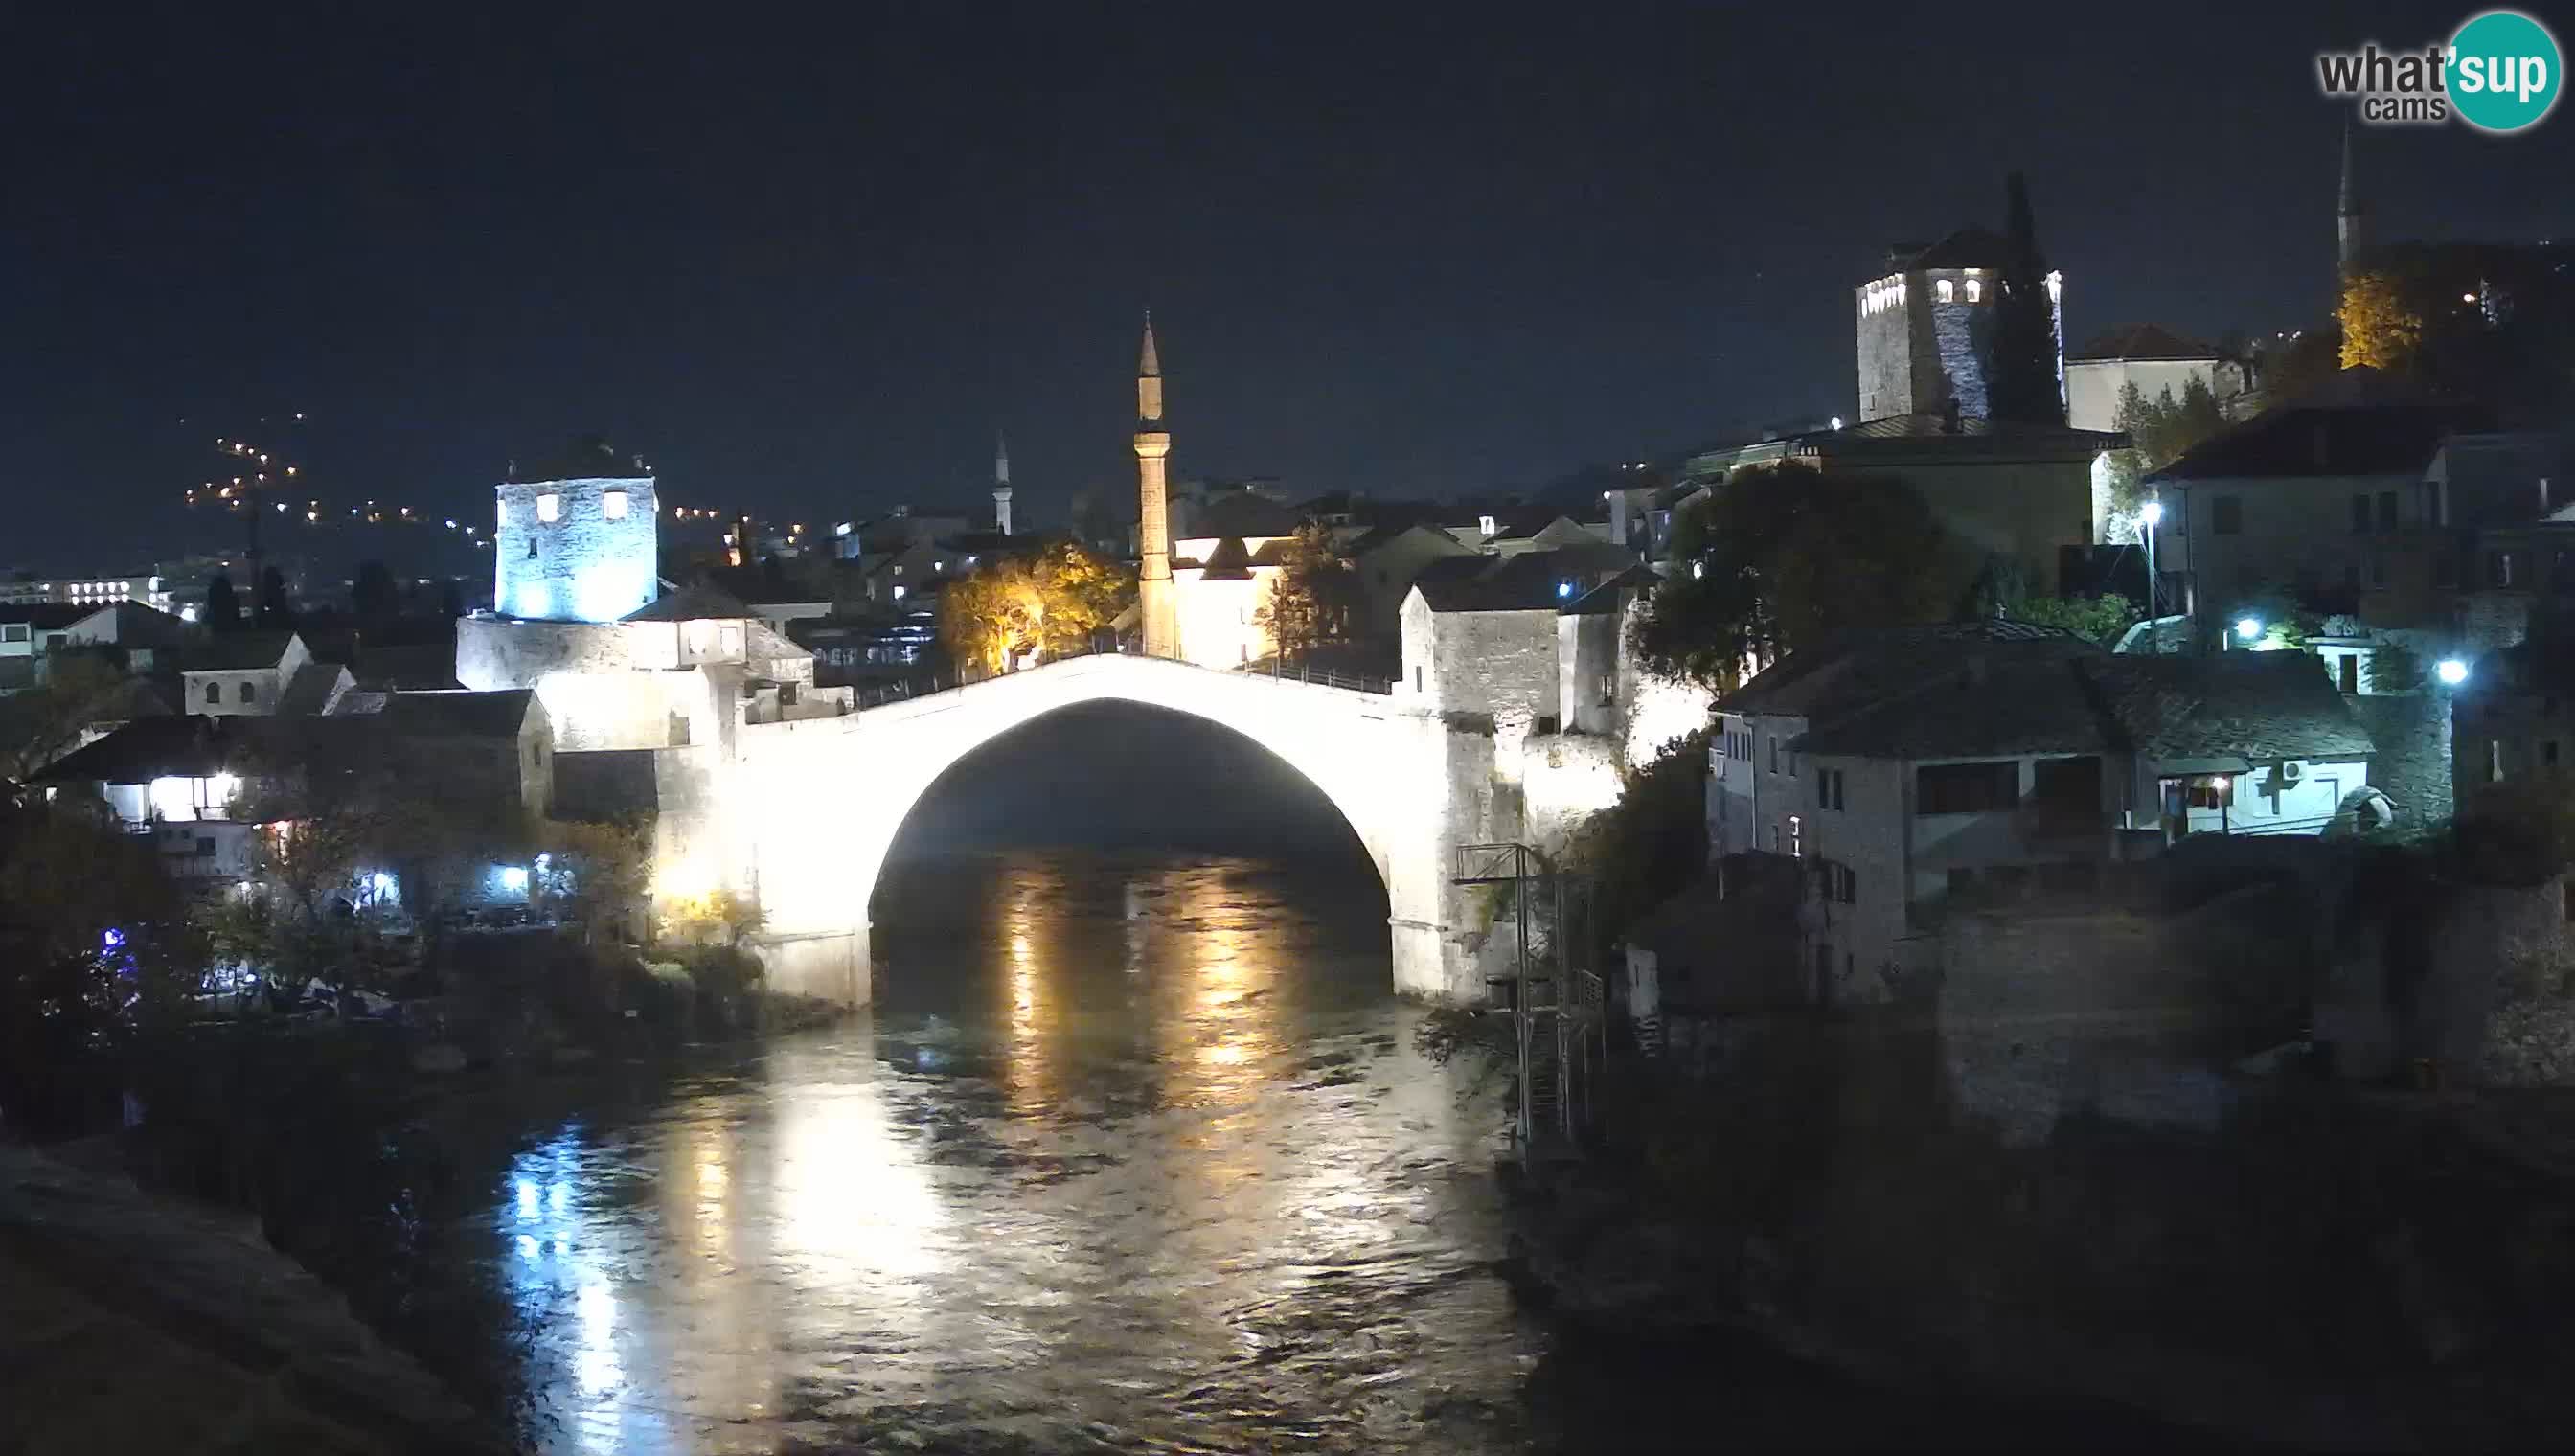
(45, 616)
(2328, 438)
(233, 652)
(308, 690)
(1856, 670)
(1242, 513)
(1531, 581)
(1915, 437)
(1379, 536)
(143, 625)
(1610, 595)
(2257, 706)
(2027, 704)
(689, 604)
(458, 713)
(416, 666)
(1966, 248)
(1227, 561)
(586, 459)
(2141, 342)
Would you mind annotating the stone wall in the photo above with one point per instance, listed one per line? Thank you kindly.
(2125, 1013)
(2412, 765)
(2500, 996)
(585, 564)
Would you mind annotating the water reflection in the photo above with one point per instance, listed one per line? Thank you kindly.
(1131, 1156)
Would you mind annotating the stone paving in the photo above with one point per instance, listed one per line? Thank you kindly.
(131, 1324)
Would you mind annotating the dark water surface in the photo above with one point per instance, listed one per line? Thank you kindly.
(1132, 1154)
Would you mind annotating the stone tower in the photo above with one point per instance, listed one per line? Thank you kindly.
(2349, 213)
(578, 541)
(1155, 607)
(1001, 484)
(1922, 326)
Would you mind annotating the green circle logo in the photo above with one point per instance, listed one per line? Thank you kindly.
(2504, 71)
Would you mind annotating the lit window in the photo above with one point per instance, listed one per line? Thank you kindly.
(549, 507)
(613, 505)
(1975, 290)
(1947, 290)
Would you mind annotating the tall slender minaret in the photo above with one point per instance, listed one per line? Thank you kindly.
(1000, 484)
(2348, 214)
(1160, 612)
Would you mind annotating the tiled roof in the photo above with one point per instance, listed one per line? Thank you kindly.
(689, 604)
(1610, 595)
(2309, 439)
(309, 689)
(2256, 706)
(44, 616)
(1857, 669)
(494, 714)
(2141, 342)
(2022, 705)
(1531, 581)
(232, 651)
(1227, 561)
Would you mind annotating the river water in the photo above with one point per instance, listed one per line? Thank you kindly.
(1131, 1154)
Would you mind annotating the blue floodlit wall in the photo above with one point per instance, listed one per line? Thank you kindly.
(595, 561)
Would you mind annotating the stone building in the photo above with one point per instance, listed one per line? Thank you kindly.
(578, 542)
(1925, 323)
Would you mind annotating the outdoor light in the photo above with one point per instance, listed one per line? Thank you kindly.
(1563, 589)
(2451, 672)
(514, 876)
(2247, 628)
(2152, 513)
(1837, 422)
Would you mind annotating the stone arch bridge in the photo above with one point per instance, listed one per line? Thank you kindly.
(801, 814)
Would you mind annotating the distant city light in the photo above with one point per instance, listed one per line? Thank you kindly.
(2248, 628)
(2451, 672)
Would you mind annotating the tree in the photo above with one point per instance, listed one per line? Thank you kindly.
(372, 596)
(95, 945)
(1315, 598)
(223, 607)
(2380, 330)
(49, 720)
(1779, 556)
(2101, 619)
(450, 602)
(273, 609)
(2394, 668)
(2022, 380)
(597, 872)
(1048, 605)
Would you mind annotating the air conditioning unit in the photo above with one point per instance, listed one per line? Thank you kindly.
(2291, 770)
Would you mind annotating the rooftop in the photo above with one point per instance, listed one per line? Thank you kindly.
(2359, 427)
(233, 652)
(1856, 669)
(2141, 342)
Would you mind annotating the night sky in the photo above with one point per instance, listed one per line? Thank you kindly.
(809, 267)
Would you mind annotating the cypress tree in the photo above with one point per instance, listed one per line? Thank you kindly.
(223, 609)
(2020, 369)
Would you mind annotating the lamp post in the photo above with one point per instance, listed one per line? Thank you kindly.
(2152, 515)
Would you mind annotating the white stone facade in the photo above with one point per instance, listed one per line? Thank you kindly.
(576, 550)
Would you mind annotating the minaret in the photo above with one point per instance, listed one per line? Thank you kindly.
(1159, 613)
(1001, 484)
(2348, 214)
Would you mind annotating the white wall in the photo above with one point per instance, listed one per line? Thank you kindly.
(2092, 386)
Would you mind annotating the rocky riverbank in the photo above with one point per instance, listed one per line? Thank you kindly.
(134, 1324)
(2322, 1273)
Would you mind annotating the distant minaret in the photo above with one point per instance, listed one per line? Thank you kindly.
(1001, 484)
(2349, 214)
(1153, 601)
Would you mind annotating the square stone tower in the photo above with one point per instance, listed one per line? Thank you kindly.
(580, 545)
(1925, 324)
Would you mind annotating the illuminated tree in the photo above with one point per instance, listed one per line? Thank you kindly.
(48, 721)
(1043, 605)
(2102, 618)
(2380, 330)
(1314, 597)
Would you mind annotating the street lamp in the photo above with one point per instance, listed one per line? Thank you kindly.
(2248, 628)
(2152, 515)
(2451, 672)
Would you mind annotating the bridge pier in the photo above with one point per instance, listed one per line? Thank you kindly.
(824, 965)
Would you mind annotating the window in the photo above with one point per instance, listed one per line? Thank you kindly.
(1965, 788)
(1416, 679)
(2499, 569)
(1975, 290)
(2226, 515)
(1828, 789)
(1835, 882)
(2387, 509)
(549, 507)
(2548, 753)
(214, 693)
(2348, 668)
(1797, 837)
(2210, 791)
(248, 692)
(1775, 755)
(2361, 514)
(504, 513)
(613, 505)
(1608, 688)
(13, 631)
(1947, 290)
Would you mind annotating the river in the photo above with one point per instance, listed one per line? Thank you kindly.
(1131, 1154)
